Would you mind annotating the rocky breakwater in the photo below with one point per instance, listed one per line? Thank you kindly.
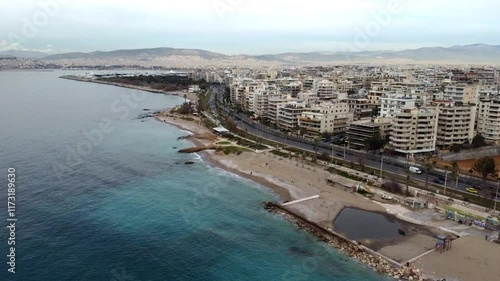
(199, 148)
(197, 138)
(348, 247)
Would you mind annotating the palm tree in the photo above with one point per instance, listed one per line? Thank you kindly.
(185, 98)
(408, 178)
(428, 166)
(455, 170)
(361, 162)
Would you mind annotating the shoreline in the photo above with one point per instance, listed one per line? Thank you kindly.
(379, 263)
(209, 157)
(190, 96)
(296, 178)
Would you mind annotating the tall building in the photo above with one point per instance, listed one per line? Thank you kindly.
(328, 117)
(488, 120)
(276, 102)
(359, 131)
(464, 93)
(288, 115)
(326, 89)
(362, 109)
(392, 104)
(414, 130)
(456, 123)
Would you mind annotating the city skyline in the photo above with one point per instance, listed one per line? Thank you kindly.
(237, 27)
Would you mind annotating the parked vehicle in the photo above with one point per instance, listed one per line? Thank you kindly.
(385, 196)
(415, 170)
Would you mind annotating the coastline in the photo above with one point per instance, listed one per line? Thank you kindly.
(212, 159)
(190, 96)
(295, 178)
(298, 216)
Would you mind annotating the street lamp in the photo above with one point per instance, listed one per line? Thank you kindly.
(496, 197)
(445, 180)
(381, 166)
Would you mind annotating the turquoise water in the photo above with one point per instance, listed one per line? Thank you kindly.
(128, 208)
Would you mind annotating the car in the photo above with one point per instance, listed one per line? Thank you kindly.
(415, 170)
(471, 190)
(385, 196)
(438, 181)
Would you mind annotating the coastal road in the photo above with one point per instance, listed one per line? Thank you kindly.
(371, 160)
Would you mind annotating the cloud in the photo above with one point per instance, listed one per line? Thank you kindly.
(251, 25)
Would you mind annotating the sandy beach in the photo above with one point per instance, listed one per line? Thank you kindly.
(293, 178)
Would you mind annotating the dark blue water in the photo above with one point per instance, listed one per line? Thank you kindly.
(102, 195)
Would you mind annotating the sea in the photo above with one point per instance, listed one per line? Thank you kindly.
(102, 194)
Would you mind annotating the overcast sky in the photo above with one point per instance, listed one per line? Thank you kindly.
(246, 26)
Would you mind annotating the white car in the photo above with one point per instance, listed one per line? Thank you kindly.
(385, 196)
(415, 170)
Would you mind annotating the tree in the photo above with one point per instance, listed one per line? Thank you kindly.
(456, 148)
(408, 179)
(326, 135)
(455, 170)
(231, 125)
(484, 167)
(185, 108)
(374, 143)
(478, 141)
(428, 166)
(361, 162)
(185, 98)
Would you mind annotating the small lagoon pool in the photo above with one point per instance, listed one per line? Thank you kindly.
(358, 224)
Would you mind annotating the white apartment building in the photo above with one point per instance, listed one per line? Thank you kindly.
(308, 97)
(488, 120)
(455, 123)
(260, 104)
(326, 89)
(276, 102)
(288, 115)
(414, 130)
(330, 117)
(393, 104)
(464, 93)
(487, 91)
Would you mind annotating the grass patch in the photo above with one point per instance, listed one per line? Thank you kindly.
(224, 143)
(231, 150)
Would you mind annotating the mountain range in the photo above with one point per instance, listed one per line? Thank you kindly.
(476, 53)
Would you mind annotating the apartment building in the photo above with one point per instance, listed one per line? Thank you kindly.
(330, 117)
(488, 120)
(291, 88)
(392, 104)
(326, 89)
(456, 123)
(461, 92)
(275, 102)
(414, 130)
(362, 109)
(359, 131)
(288, 115)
